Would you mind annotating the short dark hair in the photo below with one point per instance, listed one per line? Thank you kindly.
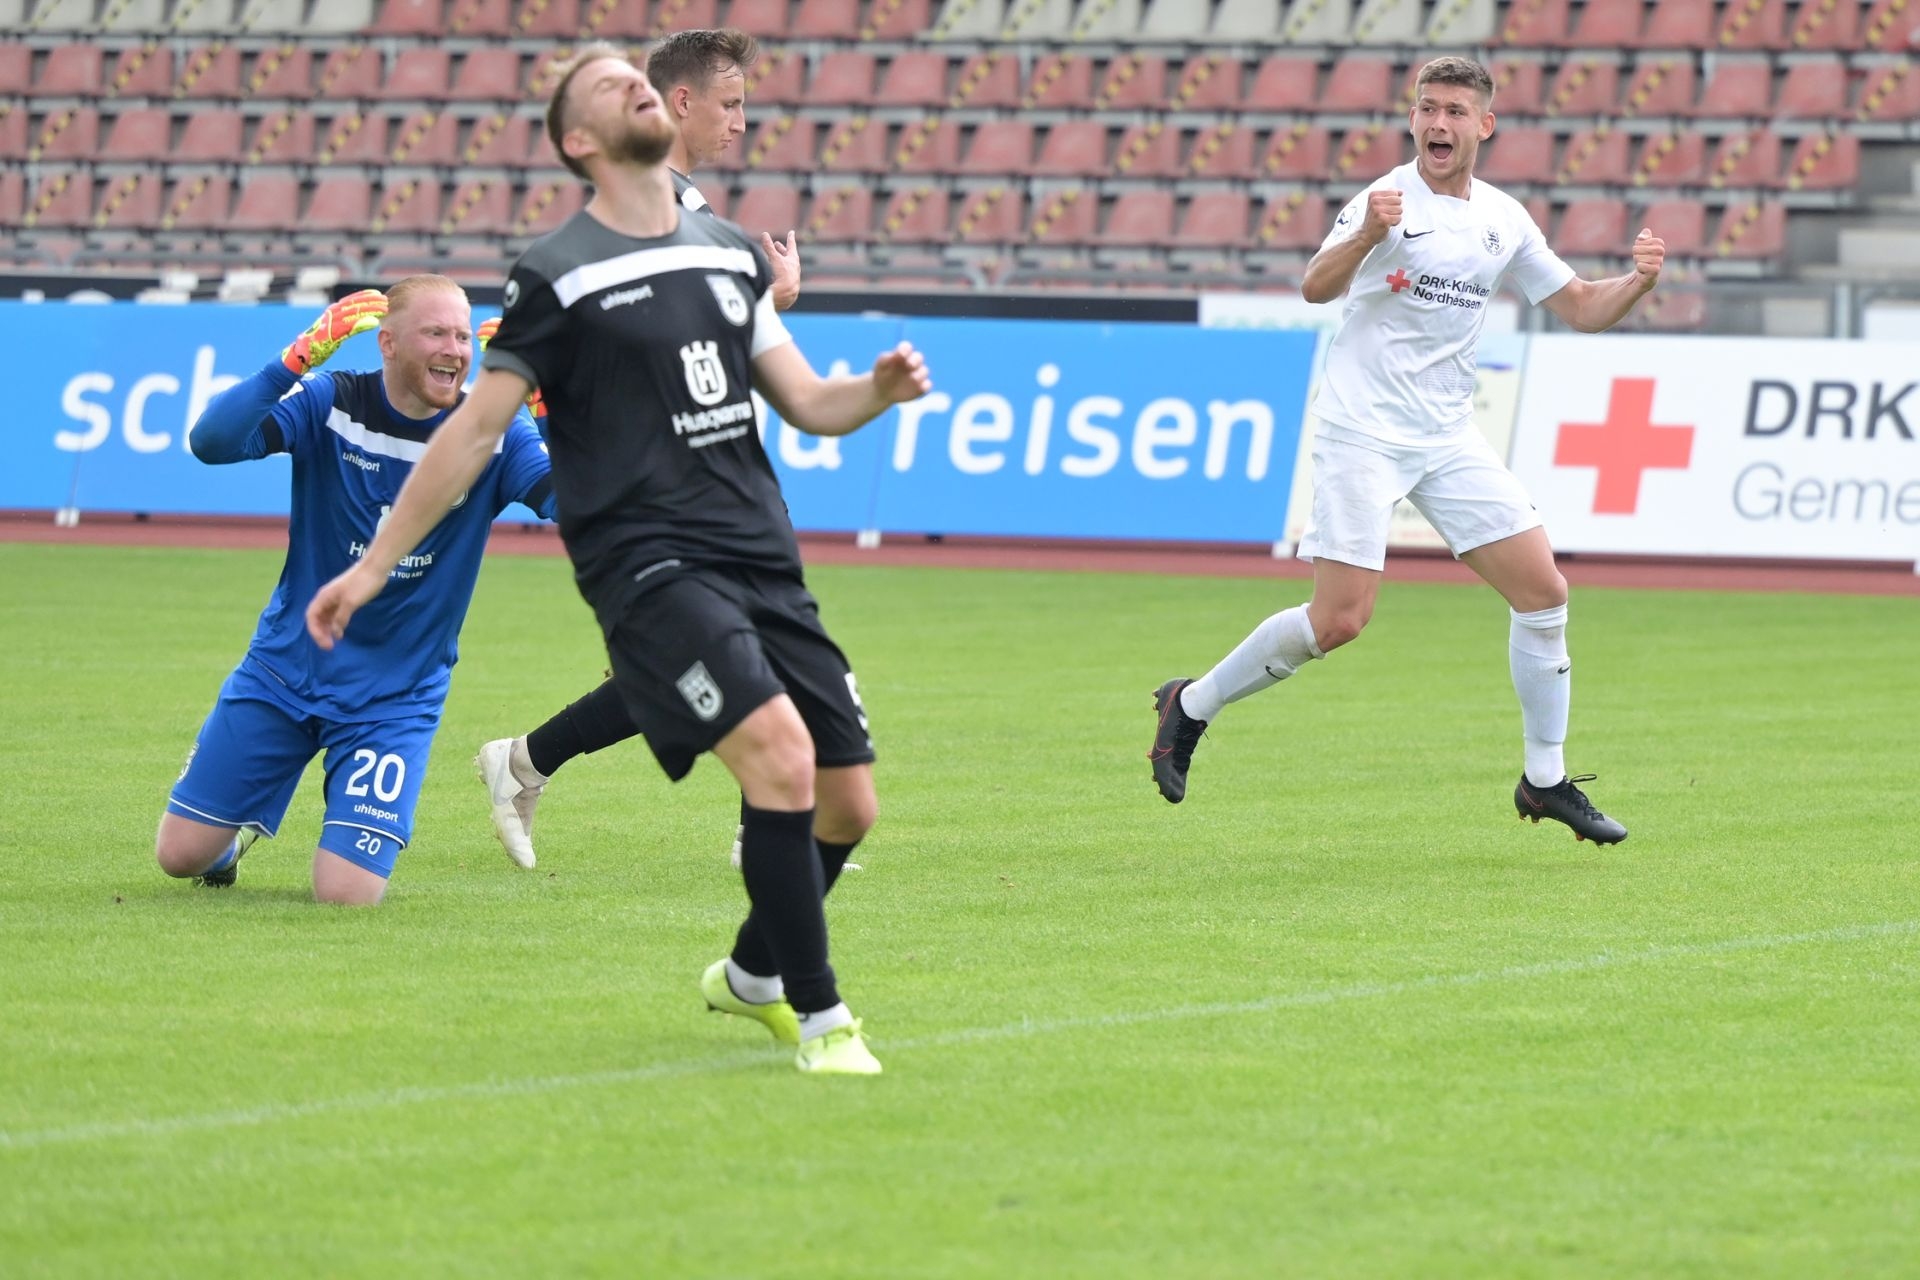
(1461, 71)
(557, 104)
(693, 58)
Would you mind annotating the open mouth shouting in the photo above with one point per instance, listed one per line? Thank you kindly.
(1439, 150)
(443, 377)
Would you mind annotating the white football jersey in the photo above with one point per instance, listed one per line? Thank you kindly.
(1401, 364)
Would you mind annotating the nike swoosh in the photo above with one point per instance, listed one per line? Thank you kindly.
(1565, 669)
(1415, 235)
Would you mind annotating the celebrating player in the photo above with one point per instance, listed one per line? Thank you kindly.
(1418, 254)
(645, 330)
(373, 703)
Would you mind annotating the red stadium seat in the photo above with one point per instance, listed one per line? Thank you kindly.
(1594, 157)
(1592, 228)
(1223, 151)
(1133, 80)
(843, 78)
(1615, 24)
(1662, 85)
(1585, 87)
(60, 200)
(1297, 151)
(1519, 86)
(407, 18)
(1064, 217)
(618, 20)
(1540, 209)
(1890, 93)
(349, 71)
(928, 146)
(285, 137)
(857, 144)
(990, 215)
(469, 18)
(1139, 219)
(1824, 162)
(418, 73)
(146, 134)
(16, 71)
(1214, 220)
(353, 138)
(130, 201)
(13, 132)
(758, 17)
(425, 137)
(1826, 24)
(541, 154)
(1061, 82)
(1359, 83)
(1516, 153)
(999, 146)
(483, 207)
(777, 79)
(1073, 149)
(267, 202)
(1891, 26)
(896, 19)
(340, 202)
(1746, 160)
(915, 215)
(718, 196)
(1678, 24)
(71, 71)
(1813, 90)
(1671, 160)
(773, 209)
(549, 18)
(547, 205)
(987, 80)
(210, 71)
(1209, 82)
(827, 20)
(1681, 223)
(407, 205)
(673, 15)
(1751, 231)
(1297, 221)
(1536, 24)
(497, 141)
(198, 203)
(839, 215)
(1148, 151)
(285, 71)
(12, 197)
(1737, 91)
(1753, 24)
(1285, 82)
(487, 75)
(142, 71)
(782, 142)
(1365, 154)
(71, 133)
(917, 78)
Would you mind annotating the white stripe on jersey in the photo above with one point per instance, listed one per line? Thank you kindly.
(363, 438)
(641, 263)
(769, 330)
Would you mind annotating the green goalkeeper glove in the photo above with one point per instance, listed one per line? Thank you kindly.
(355, 313)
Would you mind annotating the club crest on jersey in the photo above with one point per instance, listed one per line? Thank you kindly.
(1491, 239)
(706, 376)
(732, 299)
(701, 693)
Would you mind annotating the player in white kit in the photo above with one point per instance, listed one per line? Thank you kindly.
(1418, 255)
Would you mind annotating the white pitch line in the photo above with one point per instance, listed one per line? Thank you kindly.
(274, 1113)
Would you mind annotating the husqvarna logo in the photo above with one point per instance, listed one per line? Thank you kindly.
(706, 376)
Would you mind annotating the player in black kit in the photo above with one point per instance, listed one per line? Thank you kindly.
(644, 330)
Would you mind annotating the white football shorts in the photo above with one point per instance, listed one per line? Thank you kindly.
(1460, 486)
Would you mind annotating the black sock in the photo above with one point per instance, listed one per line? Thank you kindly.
(598, 720)
(784, 884)
(750, 950)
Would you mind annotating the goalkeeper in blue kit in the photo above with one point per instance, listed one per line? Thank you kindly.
(372, 704)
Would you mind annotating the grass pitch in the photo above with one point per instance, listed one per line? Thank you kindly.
(1340, 1014)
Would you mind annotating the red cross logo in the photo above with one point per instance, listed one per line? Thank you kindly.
(1620, 449)
(1399, 280)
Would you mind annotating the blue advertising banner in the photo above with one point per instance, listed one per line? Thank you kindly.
(1037, 428)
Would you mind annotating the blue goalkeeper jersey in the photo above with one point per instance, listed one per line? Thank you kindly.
(351, 453)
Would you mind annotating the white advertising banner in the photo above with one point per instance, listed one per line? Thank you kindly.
(1723, 446)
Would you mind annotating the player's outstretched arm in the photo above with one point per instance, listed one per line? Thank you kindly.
(457, 454)
(836, 406)
(1332, 269)
(785, 259)
(229, 429)
(1591, 306)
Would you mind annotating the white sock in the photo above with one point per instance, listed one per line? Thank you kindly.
(1537, 656)
(818, 1024)
(1277, 648)
(755, 989)
(520, 765)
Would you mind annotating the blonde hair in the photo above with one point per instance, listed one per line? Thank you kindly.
(557, 103)
(405, 291)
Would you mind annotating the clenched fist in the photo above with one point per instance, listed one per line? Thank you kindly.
(1383, 215)
(1649, 255)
